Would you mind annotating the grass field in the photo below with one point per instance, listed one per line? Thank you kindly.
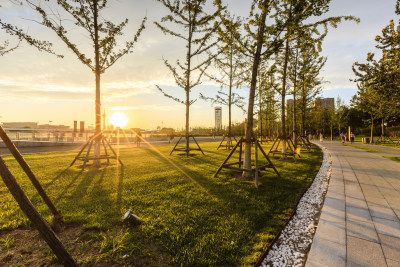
(189, 218)
(397, 159)
(364, 148)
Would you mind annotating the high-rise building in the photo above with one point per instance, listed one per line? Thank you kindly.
(328, 103)
(289, 106)
(218, 118)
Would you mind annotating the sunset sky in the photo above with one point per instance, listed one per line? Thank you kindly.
(40, 87)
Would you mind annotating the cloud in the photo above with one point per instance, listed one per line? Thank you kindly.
(110, 91)
(149, 107)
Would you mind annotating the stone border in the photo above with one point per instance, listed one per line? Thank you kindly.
(291, 245)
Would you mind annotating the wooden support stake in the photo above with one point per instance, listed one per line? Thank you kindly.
(240, 152)
(87, 155)
(256, 162)
(113, 151)
(45, 230)
(176, 145)
(220, 144)
(105, 150)
(226, 160)
(197, 144)
(24, 165)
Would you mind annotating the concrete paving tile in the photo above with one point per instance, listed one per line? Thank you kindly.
(372, 193)
(336, 183)
(333, 210)
(376, 201)
(392, 263)
(332, 231)
(394, 202)
(390, 246)
(356, 202)
(382, 212)
(336, 193)
(354, 191)
(326, 253)
(358, 214)
(361, 252)
(390, 192)
(397, 212)
(363, 230)
(387, 227)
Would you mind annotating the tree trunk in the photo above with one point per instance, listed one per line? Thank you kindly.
(283, 115)
(24, 165)
(187, 89)
(250, 110)
(303, 108)
(294, 101)
(383, 130)
(230, 99)
(260, 109)
(372, 129)
(34, 217)
(96, 162)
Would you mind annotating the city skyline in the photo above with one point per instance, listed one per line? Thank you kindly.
(40, 87)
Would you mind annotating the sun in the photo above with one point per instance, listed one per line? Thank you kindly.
(119, 119)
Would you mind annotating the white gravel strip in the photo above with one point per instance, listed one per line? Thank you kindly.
(295, 240)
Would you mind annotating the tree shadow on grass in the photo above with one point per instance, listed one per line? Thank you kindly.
(242, 197)
(61, 174)
(221, 209)
(67, 187)
(120, 188)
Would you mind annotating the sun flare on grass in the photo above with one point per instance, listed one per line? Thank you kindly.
(119, 119)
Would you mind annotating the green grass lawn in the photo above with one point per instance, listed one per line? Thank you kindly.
(397, 159)
(189, 218)
(364, 148)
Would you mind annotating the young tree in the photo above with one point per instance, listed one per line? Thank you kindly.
(232, 67)
(102, 33)
(295, 13)
(13, 30)
(264, 37)
(309, 82)
(198, 35)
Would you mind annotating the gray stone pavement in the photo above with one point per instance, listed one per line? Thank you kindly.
(359, 223)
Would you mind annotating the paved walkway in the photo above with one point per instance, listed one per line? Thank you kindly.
(359, 223)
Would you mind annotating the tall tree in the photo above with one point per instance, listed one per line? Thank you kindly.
(232, 67)
(309, 82)
(198, 36)
(263, 40)
(295, 13)
(102, 33)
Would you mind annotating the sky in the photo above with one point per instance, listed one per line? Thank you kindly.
(39, 87)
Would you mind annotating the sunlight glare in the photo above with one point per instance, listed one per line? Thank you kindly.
(119, 119)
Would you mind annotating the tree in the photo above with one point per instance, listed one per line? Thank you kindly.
(13, 30)
(102, 33)
(378, 81)
(259, 37)
(294, 13)
(309, 82)
(231, 65)
(199, 30)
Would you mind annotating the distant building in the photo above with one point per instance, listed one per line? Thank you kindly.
(59, 127)
(218, 118)
(328, 103)
(20, 125)
(289, 106)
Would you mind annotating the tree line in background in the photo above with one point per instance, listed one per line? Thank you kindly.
(378, 81)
